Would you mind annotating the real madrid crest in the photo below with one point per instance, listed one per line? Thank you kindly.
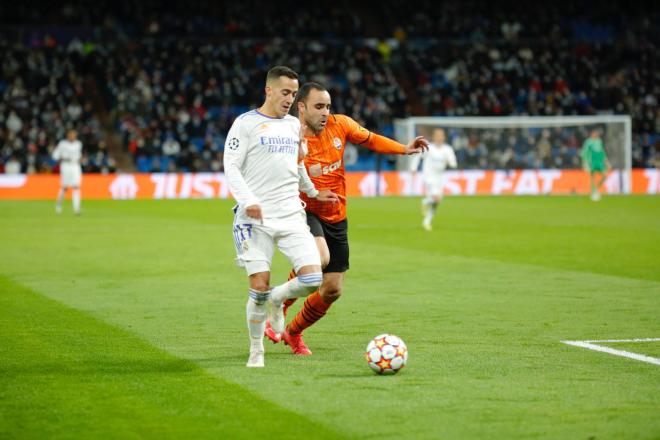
(337, 143)
(245, 245)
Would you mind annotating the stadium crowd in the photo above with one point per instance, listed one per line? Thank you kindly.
(170, 83)
(43, 94)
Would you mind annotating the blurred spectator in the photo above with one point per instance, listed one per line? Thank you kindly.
(173, 80)
(12, 166)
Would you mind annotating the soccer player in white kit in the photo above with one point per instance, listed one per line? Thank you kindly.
(265, 172)
(436, 160)
(69, 152)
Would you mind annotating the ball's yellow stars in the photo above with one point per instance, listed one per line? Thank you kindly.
(384, 364)
(380, 343)
(400, 351)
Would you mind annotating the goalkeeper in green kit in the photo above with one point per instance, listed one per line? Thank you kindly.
(594, 161)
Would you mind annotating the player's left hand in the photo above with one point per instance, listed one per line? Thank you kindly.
(325, 195)
(417, 145)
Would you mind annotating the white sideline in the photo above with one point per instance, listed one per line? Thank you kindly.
(639, 357)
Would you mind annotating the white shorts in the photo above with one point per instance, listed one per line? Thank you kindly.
(434, 187)
(70, 174)
(255, 243)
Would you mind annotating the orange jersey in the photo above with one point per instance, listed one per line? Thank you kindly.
(325, 162)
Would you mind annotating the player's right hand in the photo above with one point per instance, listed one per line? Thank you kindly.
(417, 145)
(254, 211)
(325, 195)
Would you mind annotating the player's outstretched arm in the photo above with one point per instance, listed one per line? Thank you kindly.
(378, 143)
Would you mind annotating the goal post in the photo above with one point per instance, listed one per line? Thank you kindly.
(525, 142)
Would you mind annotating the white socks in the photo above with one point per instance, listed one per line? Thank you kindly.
(76, 200)
(256, 311)
(75, 197)
(60, 198)
(431, 205)
(302, 285)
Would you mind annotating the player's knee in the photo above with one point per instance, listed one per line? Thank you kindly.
(259, 282)
(259, 286)
(310, 281)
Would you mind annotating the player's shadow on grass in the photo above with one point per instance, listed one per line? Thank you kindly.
(225, 359)
(365, 376)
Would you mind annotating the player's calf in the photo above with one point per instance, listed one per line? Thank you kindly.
(255, 311)
(330, 293)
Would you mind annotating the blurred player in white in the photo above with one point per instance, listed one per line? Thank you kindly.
(436, 160)
(265, 172)
(69, 153)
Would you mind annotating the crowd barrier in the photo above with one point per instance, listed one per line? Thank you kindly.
(365, 184)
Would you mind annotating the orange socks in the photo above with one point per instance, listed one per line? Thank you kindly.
(313, 310)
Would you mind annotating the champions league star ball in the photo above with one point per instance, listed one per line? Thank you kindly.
(386, 354)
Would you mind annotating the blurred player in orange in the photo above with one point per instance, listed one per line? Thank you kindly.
(326, 135)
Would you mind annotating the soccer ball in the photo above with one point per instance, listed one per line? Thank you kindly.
(386, 354)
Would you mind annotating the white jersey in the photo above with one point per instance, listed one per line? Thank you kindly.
(69, 155)
(437, 159)
(261, 164)
(68, 152)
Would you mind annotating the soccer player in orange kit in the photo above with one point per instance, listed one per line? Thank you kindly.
(326, 135)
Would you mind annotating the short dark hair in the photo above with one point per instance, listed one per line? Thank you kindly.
(278, 71)
(303, 91)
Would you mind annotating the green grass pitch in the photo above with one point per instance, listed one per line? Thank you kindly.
(129, 322)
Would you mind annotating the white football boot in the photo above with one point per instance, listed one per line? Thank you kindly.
(256, 359)
(426, 224)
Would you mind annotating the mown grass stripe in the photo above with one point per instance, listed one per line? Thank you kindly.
(66, 374)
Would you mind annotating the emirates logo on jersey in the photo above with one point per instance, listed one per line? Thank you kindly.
(337, 143)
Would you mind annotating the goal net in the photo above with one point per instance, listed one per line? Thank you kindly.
(525, 142)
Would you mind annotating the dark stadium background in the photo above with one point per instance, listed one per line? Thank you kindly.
(154, 87)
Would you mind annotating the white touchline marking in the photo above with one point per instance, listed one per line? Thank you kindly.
(628, 340)
(639, 357)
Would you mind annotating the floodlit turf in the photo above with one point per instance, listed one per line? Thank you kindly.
(128, 322)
